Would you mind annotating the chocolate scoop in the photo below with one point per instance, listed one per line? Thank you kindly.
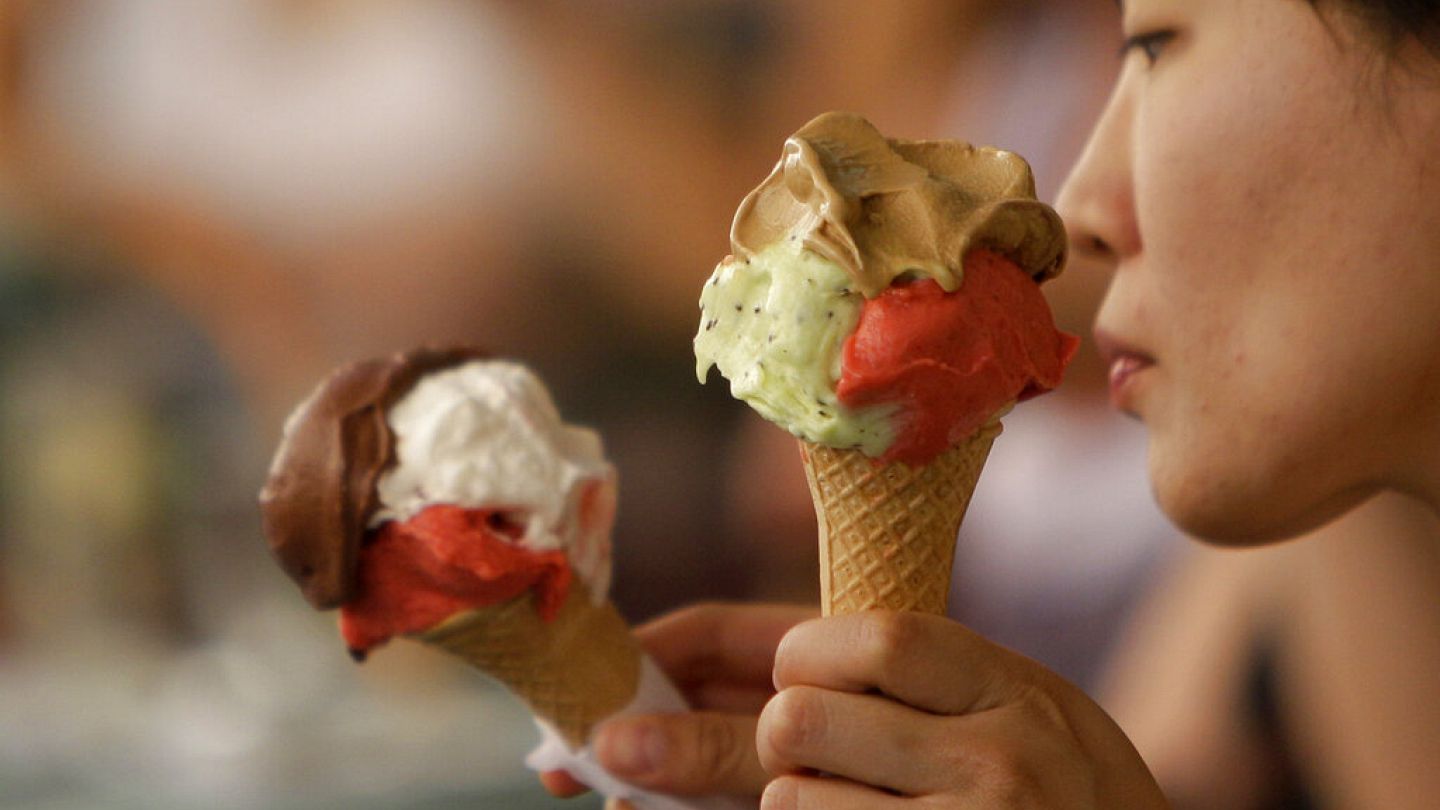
(320, 493)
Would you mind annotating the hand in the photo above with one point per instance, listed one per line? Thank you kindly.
(904, 710)
(722, 658)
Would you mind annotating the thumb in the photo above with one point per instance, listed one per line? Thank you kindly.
(689, 754)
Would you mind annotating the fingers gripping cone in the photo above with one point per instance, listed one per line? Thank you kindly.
(887, 530)
(572, 672)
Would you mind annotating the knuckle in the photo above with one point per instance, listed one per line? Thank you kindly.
(1005, 774)
(719, 748)
(888, 639)
(795, 722)
(1016, 789)
(1045, 708)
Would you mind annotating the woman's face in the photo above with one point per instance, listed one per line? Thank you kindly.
(1267, 186)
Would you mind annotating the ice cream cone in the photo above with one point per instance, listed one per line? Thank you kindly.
(572, 672)
(887, 530)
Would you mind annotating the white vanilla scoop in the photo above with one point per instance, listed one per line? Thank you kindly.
(487, 435)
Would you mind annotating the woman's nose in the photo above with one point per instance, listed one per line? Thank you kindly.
(1097, 200)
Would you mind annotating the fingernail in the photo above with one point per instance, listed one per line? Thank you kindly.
(630, 749)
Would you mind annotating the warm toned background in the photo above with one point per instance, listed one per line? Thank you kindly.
(205, 205)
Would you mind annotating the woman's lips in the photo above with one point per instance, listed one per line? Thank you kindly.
(1126, 364)
(1122, 369)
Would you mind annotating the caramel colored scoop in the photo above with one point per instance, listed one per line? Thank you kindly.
(884, 208)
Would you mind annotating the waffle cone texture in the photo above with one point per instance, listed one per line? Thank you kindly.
(887, 530)
(572, 672)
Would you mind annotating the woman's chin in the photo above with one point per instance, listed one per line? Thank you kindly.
(1223, 528)
(1228, 509)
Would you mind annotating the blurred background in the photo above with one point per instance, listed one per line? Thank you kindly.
(206, 205)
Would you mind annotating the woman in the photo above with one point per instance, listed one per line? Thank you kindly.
(1266, 183)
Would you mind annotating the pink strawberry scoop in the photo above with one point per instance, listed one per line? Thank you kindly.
(950, 362)
(416, 573)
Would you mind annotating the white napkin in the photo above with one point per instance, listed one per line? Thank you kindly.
(656, 695)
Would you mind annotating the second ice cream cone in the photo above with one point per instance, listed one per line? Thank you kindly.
(572, 672)
(887, 530)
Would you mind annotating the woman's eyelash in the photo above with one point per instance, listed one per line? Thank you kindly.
(1149, 43)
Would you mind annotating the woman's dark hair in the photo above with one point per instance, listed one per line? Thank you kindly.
(1393, 21)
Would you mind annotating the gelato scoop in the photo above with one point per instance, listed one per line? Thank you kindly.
(321, 492)
(882, 303)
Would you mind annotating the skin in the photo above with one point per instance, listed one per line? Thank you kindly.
(1261, 190)
(1265, 187)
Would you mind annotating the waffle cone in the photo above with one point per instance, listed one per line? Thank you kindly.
(887, 530)
(572, 672)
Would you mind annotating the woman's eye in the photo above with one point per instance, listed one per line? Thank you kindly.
(1149, 43)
